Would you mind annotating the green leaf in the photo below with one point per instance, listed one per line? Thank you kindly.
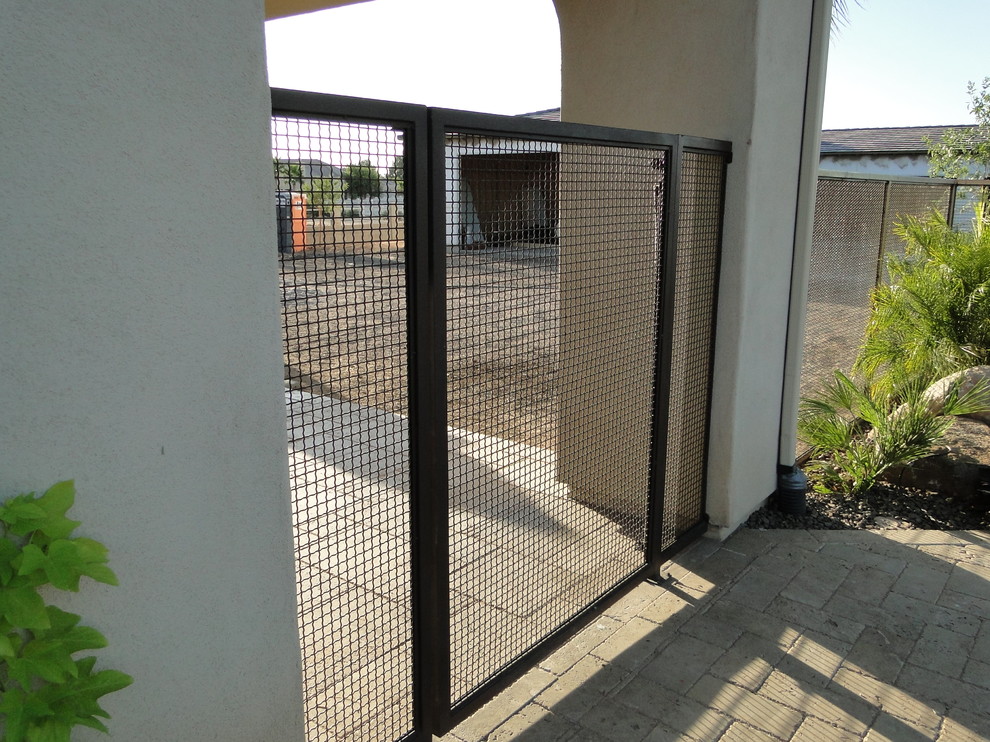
(104, 681)
(44, 514)
(14, 712)
(19, 509)
(7, 647)
(89, 721)
(50, 730)
(93, 556)
(49, 655)
(64, 561)
(20, 710)
(23, 607)
(8, 552)
(81, 638)
(33, 559)
(44, 659)
(46, 693)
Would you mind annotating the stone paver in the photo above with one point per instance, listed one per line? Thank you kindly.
(810, 636)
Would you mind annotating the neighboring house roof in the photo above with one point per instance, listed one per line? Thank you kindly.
(548, 114)
(315, 168)
(890, 140)
(853, 142)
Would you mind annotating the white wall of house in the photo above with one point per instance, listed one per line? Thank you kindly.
(141, 347)
(906, 164)
(463, 228)
(728, 70)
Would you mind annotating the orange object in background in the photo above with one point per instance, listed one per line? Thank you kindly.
(300, 237)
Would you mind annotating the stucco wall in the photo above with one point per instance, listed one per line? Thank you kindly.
(141, 351)
(729, 70)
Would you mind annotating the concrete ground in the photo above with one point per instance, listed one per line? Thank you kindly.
(810, 636)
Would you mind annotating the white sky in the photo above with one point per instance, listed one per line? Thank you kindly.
(897, 62)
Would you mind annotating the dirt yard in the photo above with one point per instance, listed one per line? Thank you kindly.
(344, 319)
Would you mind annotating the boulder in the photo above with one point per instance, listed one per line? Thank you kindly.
(960, 467)
(965, 380)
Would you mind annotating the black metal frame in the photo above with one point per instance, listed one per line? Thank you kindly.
(424, 131)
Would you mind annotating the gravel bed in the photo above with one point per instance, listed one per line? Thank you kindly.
(883, 508)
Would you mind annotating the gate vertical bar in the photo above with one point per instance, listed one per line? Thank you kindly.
(951, 212)
(428, 393)
(669, 219)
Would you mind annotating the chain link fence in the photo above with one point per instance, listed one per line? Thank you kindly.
(854, 233)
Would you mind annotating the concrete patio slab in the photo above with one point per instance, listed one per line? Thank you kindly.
(524, 558)
(811, 636)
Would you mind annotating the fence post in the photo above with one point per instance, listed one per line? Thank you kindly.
(951, 218)
(669, 204)
(881, 250)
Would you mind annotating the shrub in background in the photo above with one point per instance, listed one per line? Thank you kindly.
(857, 432)
(933, 317)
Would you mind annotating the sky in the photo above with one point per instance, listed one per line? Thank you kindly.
(895, 63)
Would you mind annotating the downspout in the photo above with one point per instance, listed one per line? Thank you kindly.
(791, 484)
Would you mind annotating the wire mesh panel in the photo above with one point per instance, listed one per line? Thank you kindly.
(967, 195)
(343, 276)
(844, 260)
(552, 281)
(910, 199)
(518, 336)
(699, 240)
(854, 233)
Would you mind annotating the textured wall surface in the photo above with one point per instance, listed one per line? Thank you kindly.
(733, 71)
(141, 347)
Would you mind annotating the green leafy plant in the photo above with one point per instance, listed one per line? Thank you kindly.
(965, 152)
(44, 690)
(858, 433)
(933, 317)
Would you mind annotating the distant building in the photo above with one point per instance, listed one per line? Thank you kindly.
(899, 150)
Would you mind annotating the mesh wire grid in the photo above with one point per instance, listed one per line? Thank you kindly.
(967, 196)
(343, 278)
(552, 284)
(909, 199)
(699, 241)
(853, 234)
(844, 259)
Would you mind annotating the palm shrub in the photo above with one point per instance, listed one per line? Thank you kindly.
(933, 317)
(857, 432)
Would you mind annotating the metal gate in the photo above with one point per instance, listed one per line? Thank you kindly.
(498, 373)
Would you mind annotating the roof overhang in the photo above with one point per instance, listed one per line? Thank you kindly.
(284, 8)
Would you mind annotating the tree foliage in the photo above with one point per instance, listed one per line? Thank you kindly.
(323, 192)
(933, 317)
(965, 153)
(362, 179)
(397, 173)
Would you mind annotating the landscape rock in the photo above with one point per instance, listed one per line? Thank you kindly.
(962, 467)
(965, 381)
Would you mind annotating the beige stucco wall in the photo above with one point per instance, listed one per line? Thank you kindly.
(608, 301)
(141, 348)
(728, 70)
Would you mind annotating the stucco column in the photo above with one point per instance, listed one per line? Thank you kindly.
(142, 353)
(727, 70)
